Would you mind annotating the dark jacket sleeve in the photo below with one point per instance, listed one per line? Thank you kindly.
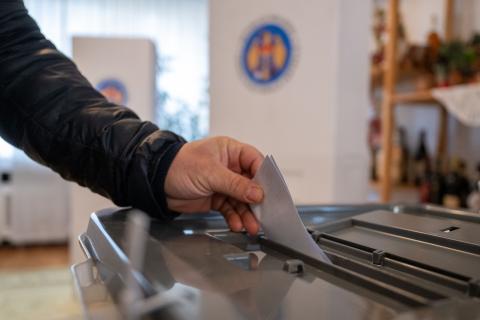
(49, 110)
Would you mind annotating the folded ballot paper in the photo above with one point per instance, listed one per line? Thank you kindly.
(279, 217)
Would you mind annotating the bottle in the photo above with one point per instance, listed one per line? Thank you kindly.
(433, 46)
(450, 198)
(374, 143)
(421, 159)
(457, 186)
(473, 200)
(464, 185)
(396, 167)
(425, 187)
(405, 158)
(437, 183)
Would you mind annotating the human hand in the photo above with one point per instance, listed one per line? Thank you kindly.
(215, 174)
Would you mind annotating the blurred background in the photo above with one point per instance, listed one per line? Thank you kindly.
(359, 101)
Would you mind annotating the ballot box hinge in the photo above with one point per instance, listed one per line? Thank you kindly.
(378, 257)
(294, 266)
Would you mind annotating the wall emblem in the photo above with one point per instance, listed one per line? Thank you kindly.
(113, 90)
(267, 53)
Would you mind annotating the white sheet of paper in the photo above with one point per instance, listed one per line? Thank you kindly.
(278, 215)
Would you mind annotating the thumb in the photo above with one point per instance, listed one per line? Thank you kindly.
(236, 186)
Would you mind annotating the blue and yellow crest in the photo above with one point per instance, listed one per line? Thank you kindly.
(113, 90)
(267, 54)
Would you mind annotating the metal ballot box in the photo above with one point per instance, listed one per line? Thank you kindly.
(388, 262)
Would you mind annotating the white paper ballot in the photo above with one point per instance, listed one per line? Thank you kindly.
(278, 215)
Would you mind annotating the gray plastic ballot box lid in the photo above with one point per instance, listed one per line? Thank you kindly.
(387, 262)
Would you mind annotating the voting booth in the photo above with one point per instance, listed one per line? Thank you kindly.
(282, 78)
(124, 71)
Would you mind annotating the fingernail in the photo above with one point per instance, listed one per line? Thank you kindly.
(254, 194)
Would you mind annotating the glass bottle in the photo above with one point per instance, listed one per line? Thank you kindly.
(437, 183)
(421, 159)
(473, 200)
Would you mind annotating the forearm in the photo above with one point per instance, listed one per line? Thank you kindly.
(48, 109)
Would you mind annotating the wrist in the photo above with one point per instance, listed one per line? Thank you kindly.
(162, 167)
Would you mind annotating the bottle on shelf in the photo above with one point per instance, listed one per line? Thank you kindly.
(433, 45)
(405, 157)
(426, 79)
(421, 159)
(473, 200)
(465, 185)
(396, 167)
(437, 183)
(425, 187)
(457, 186)
(374, 143)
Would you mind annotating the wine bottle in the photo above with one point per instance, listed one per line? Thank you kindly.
(437, 183)
(457, 186)
(433, 46)
(396, 167)
(464, 185)
(450, 198)
(473, 200)
(421, 159)
(374, 142)
(425, 188)
(405, 158)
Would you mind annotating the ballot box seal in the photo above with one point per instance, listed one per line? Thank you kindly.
(113, 90)
(267, 52)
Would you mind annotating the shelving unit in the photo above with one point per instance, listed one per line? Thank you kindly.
(391, 99)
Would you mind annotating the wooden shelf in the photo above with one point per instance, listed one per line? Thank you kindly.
(404, 74)
(389, 79)
(416, 97)
(400, 187)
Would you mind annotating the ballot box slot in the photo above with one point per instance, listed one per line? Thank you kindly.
(379, 274)
(436, 211)
(372, 263)
(420, 236)
(410, 268)
(344, 248)
(351, 271)
(450, 284)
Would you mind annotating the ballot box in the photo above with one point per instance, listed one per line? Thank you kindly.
(388, 262)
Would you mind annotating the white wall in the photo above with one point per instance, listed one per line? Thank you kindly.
(352, 105)
(314, 121)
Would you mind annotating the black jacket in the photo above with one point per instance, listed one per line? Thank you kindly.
(49, 110)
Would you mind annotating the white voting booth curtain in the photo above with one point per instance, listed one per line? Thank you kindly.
(179, 30)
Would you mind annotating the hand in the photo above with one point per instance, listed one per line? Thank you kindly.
(215, 174)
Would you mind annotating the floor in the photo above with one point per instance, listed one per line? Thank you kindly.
(33, 257)
(35, 283)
